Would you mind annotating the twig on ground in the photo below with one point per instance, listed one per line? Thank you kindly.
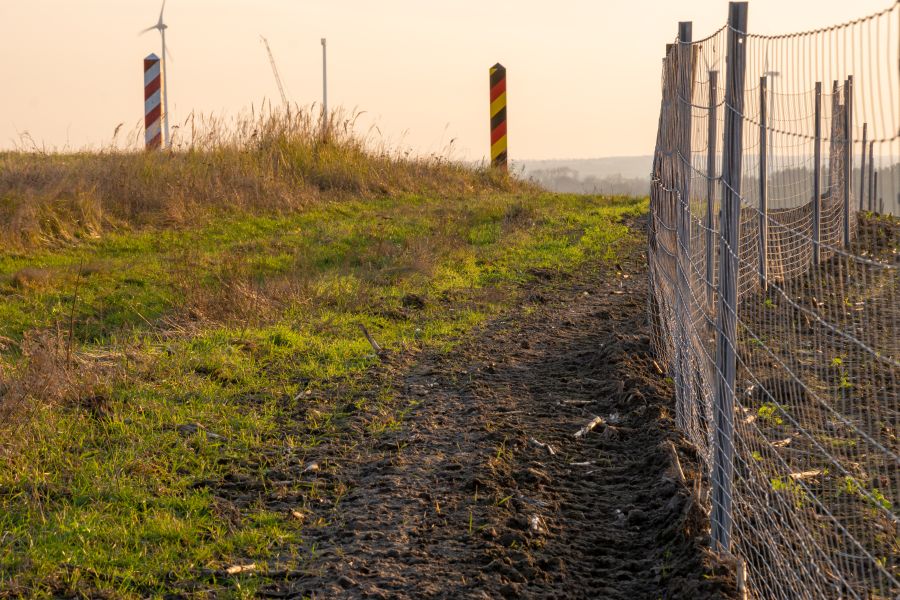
(806, 474)
(676, 462)
(378, 349)
(741, 576)
(543, 446)
(240, 569)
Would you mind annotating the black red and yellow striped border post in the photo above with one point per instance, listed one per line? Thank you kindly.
(498, 117)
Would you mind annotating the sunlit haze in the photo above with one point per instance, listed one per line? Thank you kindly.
(583, 75)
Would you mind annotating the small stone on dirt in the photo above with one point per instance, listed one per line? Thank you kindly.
(345, 582)
(537, 525)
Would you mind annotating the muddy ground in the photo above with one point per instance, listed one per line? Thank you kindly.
(482, 490)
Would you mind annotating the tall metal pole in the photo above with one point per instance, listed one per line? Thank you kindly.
(683, 107)
(879, 203)
(862, 168)
(324, 84)
(835, 143)
(711, 136)
(729, 270)
(848, 155)
(872, 176)
(763, 183)
(817, 179)
(165, 90)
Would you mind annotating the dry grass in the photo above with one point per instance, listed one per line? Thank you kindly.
(274, 161)
(54, 374)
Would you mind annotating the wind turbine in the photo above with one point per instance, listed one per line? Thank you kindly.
(161, 27)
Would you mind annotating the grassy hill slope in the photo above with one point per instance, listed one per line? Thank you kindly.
(164, 316)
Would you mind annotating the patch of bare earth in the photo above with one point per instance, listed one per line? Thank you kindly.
(485, 491)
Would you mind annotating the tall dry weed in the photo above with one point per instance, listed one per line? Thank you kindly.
(265, 161)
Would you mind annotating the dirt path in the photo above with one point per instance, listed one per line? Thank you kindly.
(463, 501)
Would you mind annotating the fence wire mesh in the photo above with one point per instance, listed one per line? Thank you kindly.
(776, 169)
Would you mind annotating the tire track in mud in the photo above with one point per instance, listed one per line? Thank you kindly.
(484, 491)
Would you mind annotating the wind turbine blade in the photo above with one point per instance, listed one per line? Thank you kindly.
(169, 54)
(161, 11)
(143, 31)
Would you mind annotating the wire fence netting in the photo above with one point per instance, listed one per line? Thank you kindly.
(775, 282)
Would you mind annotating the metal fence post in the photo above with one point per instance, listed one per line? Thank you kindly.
(878, 201)
(498, 117)
(848, 155)
(652, 231)
(862, 168)
(325, 117)
(710, 180)
(834, 143)
(683, 96)
(726, 360)
(817, 179)
(871, 176)
(763, 184)
(152, 103)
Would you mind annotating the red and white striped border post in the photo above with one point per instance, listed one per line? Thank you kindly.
(152, 103)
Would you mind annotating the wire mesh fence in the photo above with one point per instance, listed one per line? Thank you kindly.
(775, 281)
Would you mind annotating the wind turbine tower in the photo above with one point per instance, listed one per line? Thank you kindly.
(161, 27)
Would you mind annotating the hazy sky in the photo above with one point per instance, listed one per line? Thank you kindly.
(583, 75)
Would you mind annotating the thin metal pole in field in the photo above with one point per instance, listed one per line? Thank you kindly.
(683, 107)
(726, 344)
(763, 184)
(848, 155)
(879, 201)
(324, 84)
(862, 168)
(711, 135)
(817, 178)
(165, 89)
(872, 176)
(152, 103)
(834, 144)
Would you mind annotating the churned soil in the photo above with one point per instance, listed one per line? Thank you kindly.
(481, 488)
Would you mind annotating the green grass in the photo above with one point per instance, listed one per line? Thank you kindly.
(232, 325)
